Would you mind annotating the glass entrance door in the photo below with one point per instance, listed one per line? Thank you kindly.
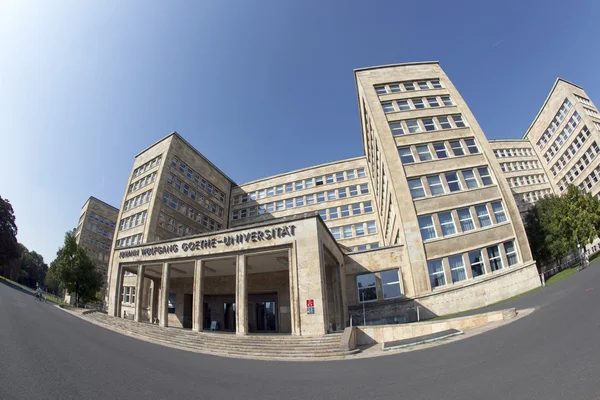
(266, 316)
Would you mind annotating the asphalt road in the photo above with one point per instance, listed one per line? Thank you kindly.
(554, 353)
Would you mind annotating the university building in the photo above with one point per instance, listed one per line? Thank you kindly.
(426, 217)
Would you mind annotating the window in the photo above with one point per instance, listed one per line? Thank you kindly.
(368, 207)
(339, 177)
(299, 201)
(336, 233)
(494, 257)
(289, 203)
(333, 213)
(433, 102)
(447, 101)
(331, 195)
(310, 199)
(424, 153)
(367, 289)
(409, 86)
(406, 155)
(371, 227)
(423, 85)
(465, 219)
(127, 290)
(279, 188)
(447, 223)
(388, 107)
(361, 173)
(437, 277)
(458, 121)
(457, 268)
(435, 185)
(396, 128)
(342, 193)
(353, 190)
(499, 212)
(356, 209)
(483, 216)
(416, 188)
(471, 146)
(394, 88)
(380, 90)
(172, 298)
(511, 253)
(418, 103)
(436, 84)
(413, 126)
(347, 231)
(453, 182)
(429, 124)
(476, 262)
(390, 281)
(440, 150)
(289, 187)
(320, 197)
(457, 148)
(359, 229)
(484, 174)
(350, 174)
(470, 179)
(345, 211)
(364, 188)
(427, 228)
(444, 123)
(323, 214)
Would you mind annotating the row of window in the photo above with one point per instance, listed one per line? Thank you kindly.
(366, 285)
(96, 242)
(147, 166)
(102, 220)
(588, 182)
(98, 255)
(416, 103)
(520, 152)
(426, 152)
(591, 113)
(300, 185)
(175, 226)
(519, 165)
(474, 260)
(583, 100)
(140, 183)
(563, 137)
(444, 224)
(571, 150)
(561, 114)
(527, 180)
(583, 162)
(300, 201)
(198, 180)
(130, 240)
(99, 230)
(346, 211)
(426, 124)
(408, 86)
(138, 200)
(128, 294)
(191, 193)
(354, 230)
(449, 182)
(176, 204)
(531, 197)
(133, 221)
(362, 247)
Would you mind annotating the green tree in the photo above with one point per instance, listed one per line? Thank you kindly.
(52, 281)
(582, 216)
(9, 249)
(75, 271)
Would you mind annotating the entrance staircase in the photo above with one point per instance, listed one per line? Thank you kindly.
(264, 347)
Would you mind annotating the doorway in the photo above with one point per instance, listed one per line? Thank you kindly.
(187, 311)
(266, 316)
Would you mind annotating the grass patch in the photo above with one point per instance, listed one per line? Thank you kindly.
(565, 273)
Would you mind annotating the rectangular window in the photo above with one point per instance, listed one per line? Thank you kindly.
(368, 207)
(424, 153)
(356, 209)
(436, 84)
(457, 148)
(499, 212)
(361, 173)
(310, 199)
(323, 214)
(380, 89)
(416, 188)
(470, 179)
(333, 213)
(388, 107)
(299, 185)
(329, 179)
(345, 211)
(396, 128)
(440, 150)
(270, 207)
(447, 101)
(484, 174)
(406, 156)
(447, 223)
(353, 190)
(270, 191)
(453, 182)
(471, 146)
(418, 103)
(359, 229)
(390, 282)
(371, 227)
(476, 262)
(395, 88)
(289, 203)
(423, 85)
(494, 257)
(299, 201)
(435, 185)
(511, 253)
(433, 102)
(347, 231)
(458, 121)
(483, 216)
(466, 221)
(342, 193)
(339, 177)
(413, 126)
(331, 195)
(409, 86)
(427, 228)
(429, 124)
(457, 268)
(336, 232)
(437, 277)
(350, 174)
(444, 123)
(403, 105)
(364, 188)
(367, 288)
(320, 197)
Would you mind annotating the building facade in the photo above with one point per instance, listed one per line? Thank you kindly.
(428, 217)
(94, 232)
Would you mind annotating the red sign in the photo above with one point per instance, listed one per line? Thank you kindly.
(310, 303)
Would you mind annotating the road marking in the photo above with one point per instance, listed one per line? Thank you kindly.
(588, 289)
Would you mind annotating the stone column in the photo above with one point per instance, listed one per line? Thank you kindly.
(198, 307)
(337, 301)
(241, 296)
(163, 315)
(119, 291)
(139, 293)
(294, 303)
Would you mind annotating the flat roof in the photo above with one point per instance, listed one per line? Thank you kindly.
(395, 65)
(99, 201)
(546, 101)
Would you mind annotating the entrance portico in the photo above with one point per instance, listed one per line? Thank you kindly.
(257, 279)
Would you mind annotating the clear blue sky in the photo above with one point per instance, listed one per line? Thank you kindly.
(259, 87)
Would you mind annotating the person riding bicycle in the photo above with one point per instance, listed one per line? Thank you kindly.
(38, 293)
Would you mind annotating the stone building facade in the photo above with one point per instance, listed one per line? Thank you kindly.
(426, 218)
